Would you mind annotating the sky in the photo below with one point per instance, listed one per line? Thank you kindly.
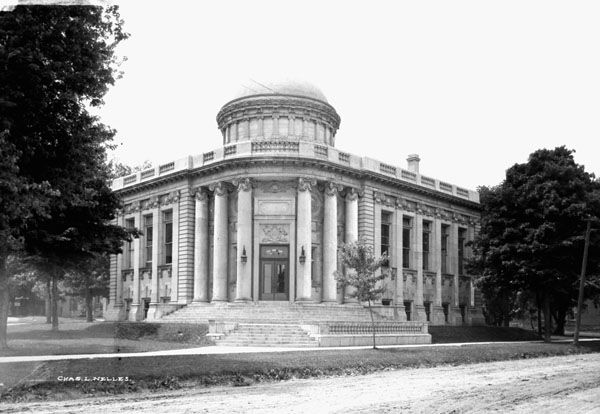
(473, 87)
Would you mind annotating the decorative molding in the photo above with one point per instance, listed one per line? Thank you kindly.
(133, 207)
(243, 184)
(220, 189)
(352, 194)
(332, 189)
(275, 186)
(200, 194)
(275, 233)
(306, 184)
(171, 198)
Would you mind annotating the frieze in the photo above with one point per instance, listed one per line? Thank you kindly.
(275, 187)
(133, 207)
(274, 233)
(171, 198)
(151, 203)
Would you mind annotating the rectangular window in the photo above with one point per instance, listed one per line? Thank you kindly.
(148, 238)
(426, 239)
(427, 310)
(386, 220)
(462, 235)
(128, 259)
(406, 230)
(408, 309)
(168, 237)
(445, 234)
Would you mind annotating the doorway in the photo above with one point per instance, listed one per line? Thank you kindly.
(274, 272)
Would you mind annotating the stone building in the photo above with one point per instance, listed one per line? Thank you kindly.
(261, 217)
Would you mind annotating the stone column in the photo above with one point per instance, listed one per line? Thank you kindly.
(330, 242)
(351, 231)
(201, 247)
(135, 312)
(244, 241)
(155, 239)
(120, 257)
(399, 311)
(453, 253)
(437, 312)
(220, 243)
(418, 249)
(304, 240)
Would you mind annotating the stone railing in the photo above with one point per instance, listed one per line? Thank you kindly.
(275, 146)
(303, 149)
(366, 328)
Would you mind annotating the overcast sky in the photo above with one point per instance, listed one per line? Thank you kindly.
(471, 86)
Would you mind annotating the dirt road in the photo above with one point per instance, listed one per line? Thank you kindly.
(569, 384)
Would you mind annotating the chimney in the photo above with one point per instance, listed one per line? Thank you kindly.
(413, 163)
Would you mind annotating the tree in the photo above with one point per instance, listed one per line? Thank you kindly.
(532, 228)
(359, 259)
(91, 278)
(57, 205)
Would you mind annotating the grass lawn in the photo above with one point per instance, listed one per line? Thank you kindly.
(32, 336)
(170, 372)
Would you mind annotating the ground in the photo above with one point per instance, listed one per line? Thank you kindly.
(551, 385)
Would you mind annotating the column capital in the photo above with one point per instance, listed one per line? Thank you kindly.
(352, 194)
(331, 188)
(219, 188)
(200, 194)
(243, 184)
(306, 184)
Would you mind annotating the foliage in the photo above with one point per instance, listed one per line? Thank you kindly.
(359, 257)
(531, 237)
(361, 274)
(118, 169)
(56, 203)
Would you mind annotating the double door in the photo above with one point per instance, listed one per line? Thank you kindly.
(274, 272)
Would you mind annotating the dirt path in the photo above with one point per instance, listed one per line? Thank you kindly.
(558, 384)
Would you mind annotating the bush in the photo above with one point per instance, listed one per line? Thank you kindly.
(169, 332)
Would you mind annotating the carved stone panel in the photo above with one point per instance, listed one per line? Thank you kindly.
(273, 207)
(274, 233)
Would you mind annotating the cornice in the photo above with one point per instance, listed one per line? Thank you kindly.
(318, 164)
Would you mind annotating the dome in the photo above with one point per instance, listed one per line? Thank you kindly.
(287, 87)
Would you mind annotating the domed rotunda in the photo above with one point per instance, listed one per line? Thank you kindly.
(250, 230)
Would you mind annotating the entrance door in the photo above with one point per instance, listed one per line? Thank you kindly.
(274, 272)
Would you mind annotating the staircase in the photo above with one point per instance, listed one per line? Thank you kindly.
(271, 312)
(279, 335)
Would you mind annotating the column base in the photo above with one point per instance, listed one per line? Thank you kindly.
(199, 301)
(243, 300)
(420, 314)
(437, 316)
(305, 300)
(455, 317)
(154, 312)
(476, 316)
(114, 313)
(136, 313)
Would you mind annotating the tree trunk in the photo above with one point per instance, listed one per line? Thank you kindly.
(372, 324)
(547, 319)
(3, 302)
(54, 301)
(48, 301)
(539, 314)
(89, 305)
(561, 315)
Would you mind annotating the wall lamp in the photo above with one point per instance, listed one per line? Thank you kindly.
(243, 257)
(302, 257)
